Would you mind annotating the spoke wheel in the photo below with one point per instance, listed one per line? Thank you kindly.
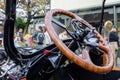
(84, 62)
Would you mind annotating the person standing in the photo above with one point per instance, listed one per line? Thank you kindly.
(113, 37)
(38, 36)
(114, 41)
(47, 40)
(64, 35)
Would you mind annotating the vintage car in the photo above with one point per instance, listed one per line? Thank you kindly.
(84, 55)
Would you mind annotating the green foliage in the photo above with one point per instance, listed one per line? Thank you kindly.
(118, 48)
(32, 8)
(20, 23)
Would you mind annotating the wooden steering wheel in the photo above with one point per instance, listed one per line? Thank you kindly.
(85, 63)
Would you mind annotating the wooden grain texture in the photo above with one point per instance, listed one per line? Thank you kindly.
(85, 62)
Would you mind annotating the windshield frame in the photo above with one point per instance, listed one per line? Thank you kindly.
(9, 30)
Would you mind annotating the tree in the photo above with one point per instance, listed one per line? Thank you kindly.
(20, 23)
(32, 8)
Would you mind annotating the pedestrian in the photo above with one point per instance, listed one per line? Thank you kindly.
(63, 35)
(113, 37)
(38, 36)
(47, 40)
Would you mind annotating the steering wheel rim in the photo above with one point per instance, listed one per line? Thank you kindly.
(69, 54)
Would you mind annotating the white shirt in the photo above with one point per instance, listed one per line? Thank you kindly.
(47, 39)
